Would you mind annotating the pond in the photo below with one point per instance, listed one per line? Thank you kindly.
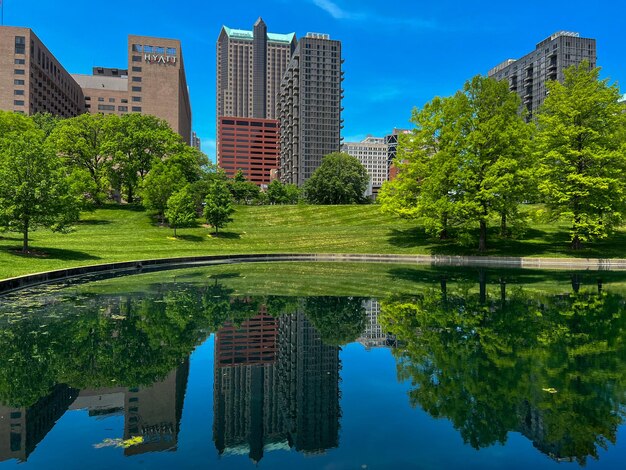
(316, 365)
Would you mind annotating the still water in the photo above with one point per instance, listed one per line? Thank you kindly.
(316, 366)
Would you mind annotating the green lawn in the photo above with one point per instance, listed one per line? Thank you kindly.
(122, 233)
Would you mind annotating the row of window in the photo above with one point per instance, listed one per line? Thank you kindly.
(154, 49)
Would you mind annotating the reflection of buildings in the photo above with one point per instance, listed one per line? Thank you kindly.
(373, 336)
(247, 418)
(276, 386)
(309, 381)
(152, 412)
(21, 429)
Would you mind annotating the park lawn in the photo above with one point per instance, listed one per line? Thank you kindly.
(124, 233)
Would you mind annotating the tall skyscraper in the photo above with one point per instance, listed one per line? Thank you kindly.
(528, 75)
(154, 83)
(250, 66)
(310, 107)
(32, 80)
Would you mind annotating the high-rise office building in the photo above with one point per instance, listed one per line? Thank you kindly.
(195, 141)
(372, 152)
(32, 80)
(528, 75)
(154, 83)
(250, 66)
(310, 107)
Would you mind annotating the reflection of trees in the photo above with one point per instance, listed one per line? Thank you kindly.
(490, 364)
(101, 341)
(338, 320)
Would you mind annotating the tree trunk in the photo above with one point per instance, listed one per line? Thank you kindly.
(482, 240)
(576, 281)
(130, 194)
(503, 230)
(482, 280)
(443, 235)
(576, 243)
(25, 244)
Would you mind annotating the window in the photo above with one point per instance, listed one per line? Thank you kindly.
(137, 48)
(18, 103)
(106, 107)
(111, 100)
(124, 100)
(101, 99)
(136, 79)
(20, 45)
(18, 82)
(136, 109)
(136, 69)
(20, 61)
(18, 92)
(87, 98)
(136, 58)
(122, 108)
(171, 51)
(137, 88)
(137, 99)
(159, 50)
(148, 49)
(19, 72)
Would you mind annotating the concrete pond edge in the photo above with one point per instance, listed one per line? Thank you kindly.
(586, 264)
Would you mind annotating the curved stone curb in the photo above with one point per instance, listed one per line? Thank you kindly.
(591, 264)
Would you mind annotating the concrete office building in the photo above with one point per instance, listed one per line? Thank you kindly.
(249, 145)
(528, 75)
(32, 80)
(310, 107)
(372, 152)
(195, 141)
(250, 66)
(154, 83)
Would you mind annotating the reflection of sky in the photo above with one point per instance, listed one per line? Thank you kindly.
(378, 430)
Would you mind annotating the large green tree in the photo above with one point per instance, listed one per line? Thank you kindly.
(138, 141)
(340, 179)
(465, 162)
(83, 141)
(34, 190)
(280, 193)
(181, 209)
(163, 180)
(218, 206)
(581, 152)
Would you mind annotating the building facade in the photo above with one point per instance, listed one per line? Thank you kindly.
(528, 76)
(154, 83)
(309, 109)
(250, 66)
(249, 145)
(372, 152)
(32, 80)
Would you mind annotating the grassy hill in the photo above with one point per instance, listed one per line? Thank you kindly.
(122, 233)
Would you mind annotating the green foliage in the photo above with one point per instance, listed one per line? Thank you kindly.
(580, 146)
(513, 361)
(82, 142)
(181, 209)
(338, 320)
(138, 141)
(282, 193)
(34, 190)
(218, 205)
(466, 160)
(163, 180)
(242, 190)
(340, 179)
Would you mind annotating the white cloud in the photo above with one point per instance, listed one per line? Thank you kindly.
(332, 9)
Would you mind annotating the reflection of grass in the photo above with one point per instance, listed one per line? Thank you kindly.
(354, 279)
(121, 233)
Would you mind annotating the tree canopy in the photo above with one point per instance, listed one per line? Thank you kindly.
(340, 179)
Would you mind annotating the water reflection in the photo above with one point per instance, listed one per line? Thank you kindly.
(492, 355)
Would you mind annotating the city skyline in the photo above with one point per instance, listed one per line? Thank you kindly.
(432, 52)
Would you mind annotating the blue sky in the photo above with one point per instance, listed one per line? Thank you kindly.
(398, 54)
